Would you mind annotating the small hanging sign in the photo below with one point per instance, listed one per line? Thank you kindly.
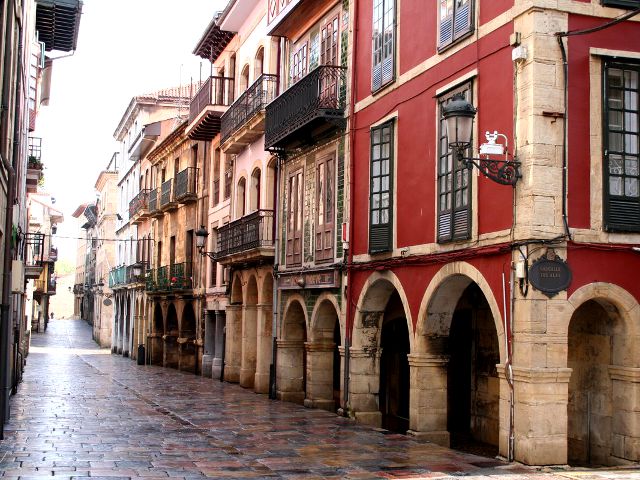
(550, 274)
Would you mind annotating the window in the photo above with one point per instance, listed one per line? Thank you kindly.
(213, 247)
(228, 176)
(621, 3)
(383, 49)
(295, 197)
(215, 191)
(299, 63)
(381, 189)
(454, 185)
(329, 42)
(455, 20)
(325, 187)
(621, 139)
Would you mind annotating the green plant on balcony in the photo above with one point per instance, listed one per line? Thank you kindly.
(34, 163)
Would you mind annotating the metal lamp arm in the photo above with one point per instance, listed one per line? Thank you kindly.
(504, 172)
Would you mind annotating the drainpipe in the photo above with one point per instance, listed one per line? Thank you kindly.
(6, 319)
(275, 303)
(349, 253)
(508, 319)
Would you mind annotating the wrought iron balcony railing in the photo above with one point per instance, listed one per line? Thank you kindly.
(249, 232)
(150, 280)
(154, 202)
(309, 109)
(166, 196)
(34, 249)
(118, 277)
(217, 91)
(170, 277)
(140, 203)
(252, 101)
(186, 185)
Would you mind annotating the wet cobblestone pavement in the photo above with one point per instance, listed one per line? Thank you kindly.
(83, 413)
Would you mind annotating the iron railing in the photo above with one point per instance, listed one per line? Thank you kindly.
(154, 201)
(320, 94)
(34, 249)
(139, 203)
(252, 101)
(166, 196)
(178, 276)
(118, 276)
(214, 91)
(186, 183)
(150, 280)
(251, 231)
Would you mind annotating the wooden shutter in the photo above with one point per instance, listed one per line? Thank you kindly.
(381, 189)
(294, 218)
(388, 42)
(455, 20)
(621, 139)
(325, 186)
(377, 48)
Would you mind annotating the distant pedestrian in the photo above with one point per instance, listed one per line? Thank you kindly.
(51, 315)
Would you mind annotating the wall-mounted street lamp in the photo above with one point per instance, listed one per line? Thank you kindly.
(458, 115)
(201, 240)
(136, 269)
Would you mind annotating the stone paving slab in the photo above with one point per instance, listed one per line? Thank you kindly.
(83, 413)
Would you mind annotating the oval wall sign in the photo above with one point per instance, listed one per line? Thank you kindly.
(550, 274)
(106, 302)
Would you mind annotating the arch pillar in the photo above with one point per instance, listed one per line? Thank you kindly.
(364, 385)
(233, 347)
(320, 375)
(289, 374)
(428, 398)
(249, 348)
(625, 389)
(263, 347)
(209, 339)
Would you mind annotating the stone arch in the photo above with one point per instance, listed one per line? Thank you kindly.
(269, 183)
(188, 351)
(255, 201)
(291, 369)
(236, 289)
(258, 62)
(251, 291)
(324, 365)
(266, 290)
(603, 356)
(459, 346)
(241, 197)
(440, 300)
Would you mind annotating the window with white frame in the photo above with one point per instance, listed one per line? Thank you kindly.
(455, 20)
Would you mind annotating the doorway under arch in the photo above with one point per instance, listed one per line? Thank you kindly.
(171, 354)
(188, 351)
(292, 359)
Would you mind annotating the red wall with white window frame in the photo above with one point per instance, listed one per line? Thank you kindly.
(623, 36)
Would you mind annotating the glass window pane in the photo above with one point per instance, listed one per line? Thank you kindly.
(385, 183)
(375, 201)
(631, 79)
(615, 119)
(376, 135)
(384, 216)
(631, 100)
(615, 98)
(385, 200)
(631, 144)
(375, 152)
(385, 150)
(615, 77)
(465, 197)
(375, 169)
(458, 201)
(376, 185)
(386, 134)
(616, 142)
(385, 167)
(443, 202)
(615, 165)
(631, 122)
(448, 201)
(631, 166)
(631, 187)
(615, 185)
(449, 182)
(375, 217)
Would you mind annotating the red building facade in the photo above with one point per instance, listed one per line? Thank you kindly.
(458, 328)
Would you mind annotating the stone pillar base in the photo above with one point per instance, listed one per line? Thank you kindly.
(439, 438)
(216, 368)
(207, 363)
(232, 373)
(328, 405)
(261, 383)
(369, 418)
(247, 378)
(293, 397)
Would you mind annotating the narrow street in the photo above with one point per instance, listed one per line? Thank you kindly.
(82, 412)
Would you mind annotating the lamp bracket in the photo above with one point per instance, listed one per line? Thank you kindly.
(504, 172)
(212, 255)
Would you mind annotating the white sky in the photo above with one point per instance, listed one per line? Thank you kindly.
(125, 48)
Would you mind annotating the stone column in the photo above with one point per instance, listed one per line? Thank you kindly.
(264, 347)
(625, 394)
(289, 371)
(209, 336)
(233, 347)
(364, 385)
(428, 398)
(218, 351)
(320, 376)
(249, 347)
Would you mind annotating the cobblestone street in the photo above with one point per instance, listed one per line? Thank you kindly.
(82, 412)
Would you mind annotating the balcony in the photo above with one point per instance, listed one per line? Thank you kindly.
(186, 189)
(170, 278)
(57, 23)
(308, 111)
(154, 203)
(167, 202)
(117, 277)
(33, 255)
(243, 123)
(207, 106)
(139, 206)
(248, 239)
(39, 286)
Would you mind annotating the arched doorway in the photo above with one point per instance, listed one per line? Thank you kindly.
(292, 359)
(324, 373)
(188, 350)
(126, 335)
(171, 353)
(596, 344)
(254, 196)
(241, 198)
(394, 367)
(473, 392)
(155, 340)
